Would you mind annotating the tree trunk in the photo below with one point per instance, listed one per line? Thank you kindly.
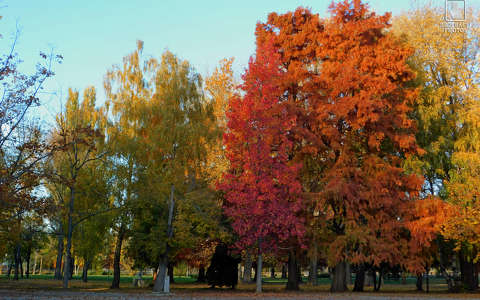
(21, 266)
(170, 273)
(292, 282)
(377, 285)
(117, 256)
(66, 271)
(419, 283)
(27, 269)
(312, 274)
(34, 264)
(201, 275)
(259, 273)
(339, 280)
(86, 266)
(247, 270)
(370, 278)
(9, 270)
(476, 275)
(41, 263)
(72, 266)
(359, 278)
(58, 265)
(467, 272)
(272, 272)
(299, 274)
(161, 273)
(17, 261)
(428, 279)
(349, 274)
(284, 271)
(159, 285)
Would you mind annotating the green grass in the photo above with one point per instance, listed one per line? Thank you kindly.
(123, 278)
(187, 286)
(183, 279)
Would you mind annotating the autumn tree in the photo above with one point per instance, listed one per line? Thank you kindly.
(79, 137)
(22, 143)
(347, 85)
(446, 112)
(261, 189)
(175, 138)
(94, 186)
(127, 91)
(219, 89)
(161, 105)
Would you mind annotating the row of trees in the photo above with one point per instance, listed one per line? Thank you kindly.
(355, 141)
(351, 141)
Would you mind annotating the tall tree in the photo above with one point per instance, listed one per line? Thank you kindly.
(262, 191)
(128, 87)
(347, 84)
(446, 112)
(22, 143)
(162, 106)
(79, 138)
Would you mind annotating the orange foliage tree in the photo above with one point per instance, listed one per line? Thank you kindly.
(346, 83)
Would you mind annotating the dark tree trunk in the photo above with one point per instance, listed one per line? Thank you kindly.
(312, 274)
(467, 273)
(359, 278)
(29, 252)
(170, 273)
(72, 267)
(292, 282)
(428, 279)
(254, 266)
(299, 274)
(17, 262)
(58, 265)
(201, 275)
(86, 266)
(247, 270)
(476, 275)
(339, 280)
(419, 283)
(21, 266)
(284, 272)
(66, 271)
(116, 258)
(272, 272)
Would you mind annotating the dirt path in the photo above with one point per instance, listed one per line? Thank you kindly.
(49, 295)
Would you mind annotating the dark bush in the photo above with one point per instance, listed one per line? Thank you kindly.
(223, 270)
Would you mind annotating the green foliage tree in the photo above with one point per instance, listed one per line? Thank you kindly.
(79, 137)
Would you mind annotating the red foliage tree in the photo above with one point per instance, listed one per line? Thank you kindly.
(262, 190)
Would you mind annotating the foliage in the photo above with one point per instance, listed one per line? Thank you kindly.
(262, 192)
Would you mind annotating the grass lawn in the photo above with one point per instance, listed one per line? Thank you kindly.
(187, 287)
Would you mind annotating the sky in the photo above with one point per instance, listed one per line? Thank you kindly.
(93, 35)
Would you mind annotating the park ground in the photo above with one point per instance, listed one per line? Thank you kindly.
(43, 287)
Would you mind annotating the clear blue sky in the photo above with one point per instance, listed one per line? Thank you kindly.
(92, 35)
